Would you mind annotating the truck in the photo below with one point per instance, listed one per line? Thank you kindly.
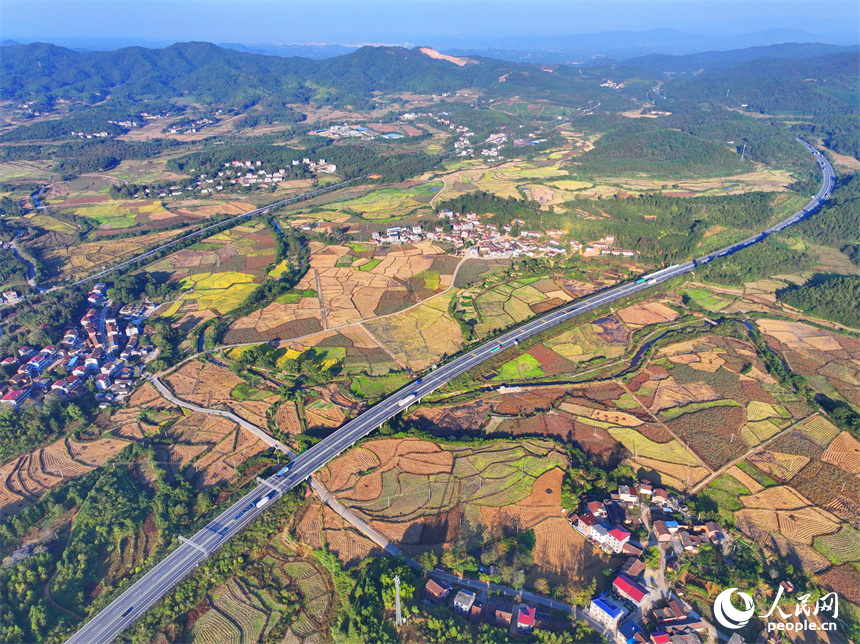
(406, 400)
(495, 348)
(282, 471)
(263, 501)
(245, 511)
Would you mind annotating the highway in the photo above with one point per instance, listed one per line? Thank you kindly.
(129, 606)
(204, 230)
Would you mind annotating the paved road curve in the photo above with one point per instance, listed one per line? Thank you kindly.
(111, 621)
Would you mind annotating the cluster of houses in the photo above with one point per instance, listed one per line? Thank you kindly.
(603, 246)
(349, 132)
(244, 174)
(189, 126)
(89, 135)
(601, 523)
(474, 238)
(521, 619)
(672, 623)
(477, 239)
(103, 349)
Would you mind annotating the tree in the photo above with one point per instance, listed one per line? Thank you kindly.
(541, 586)
(428, 559)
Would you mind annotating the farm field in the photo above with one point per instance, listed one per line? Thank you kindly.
(26, 478)
(279, 595)
(358, 282)
(501, 180)
(830, 361)
(210, 385)
(75, 260)
(215, 275)
(208, 447)
(416, 492)
(391, 202)
(798, 498)
(420, 336)
(118, 215)
(497, 302)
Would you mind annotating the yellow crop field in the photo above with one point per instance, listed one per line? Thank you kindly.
(216, 280)
(636, 443)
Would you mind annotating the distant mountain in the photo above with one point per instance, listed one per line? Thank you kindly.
(7, 43)
(713, 60)
(226, 76)
(579, 48)
(216, 75)
(312, 51)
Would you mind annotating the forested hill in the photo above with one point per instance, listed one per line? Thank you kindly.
(221, 75)
(215, 74)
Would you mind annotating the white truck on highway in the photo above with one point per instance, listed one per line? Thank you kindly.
(405, 401)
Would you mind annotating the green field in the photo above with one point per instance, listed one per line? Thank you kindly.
(523, 367)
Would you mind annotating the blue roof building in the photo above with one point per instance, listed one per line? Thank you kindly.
(604, 609)
(628, 631)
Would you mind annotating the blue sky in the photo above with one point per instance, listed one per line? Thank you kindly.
(403, 21)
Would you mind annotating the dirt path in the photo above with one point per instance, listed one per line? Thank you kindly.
(662, 424)
(716, 473)
(310, 335)
(383, 346)
(321, 300)
(441, 190)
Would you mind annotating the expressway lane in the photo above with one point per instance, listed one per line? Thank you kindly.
(129, 606)
(201, 231)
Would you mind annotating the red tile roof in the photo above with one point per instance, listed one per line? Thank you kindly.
(619, 533)
(629, 588)
(526, 616)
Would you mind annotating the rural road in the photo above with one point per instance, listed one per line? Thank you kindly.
(359, 323)
(244, 424)
(129, 606)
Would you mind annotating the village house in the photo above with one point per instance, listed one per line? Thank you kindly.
(714, 532)
(597, 509)
(646, 489)
(603, 609)
(629, 589)
(502, 616)
(16, 397)
(661, 531)
(526, 619)
(599, 533)
(434, 592)
(628, 494)
(616, 538)
(584, 523)
(632, 633)
(660, 637)
(463, 601)
(660, 497)
(633, 567)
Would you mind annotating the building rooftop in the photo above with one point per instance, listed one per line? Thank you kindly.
(605, 604)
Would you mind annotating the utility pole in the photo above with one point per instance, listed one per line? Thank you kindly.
(743, 152)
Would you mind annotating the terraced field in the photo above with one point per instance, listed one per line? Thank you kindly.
(27, 477)
(279, 597)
